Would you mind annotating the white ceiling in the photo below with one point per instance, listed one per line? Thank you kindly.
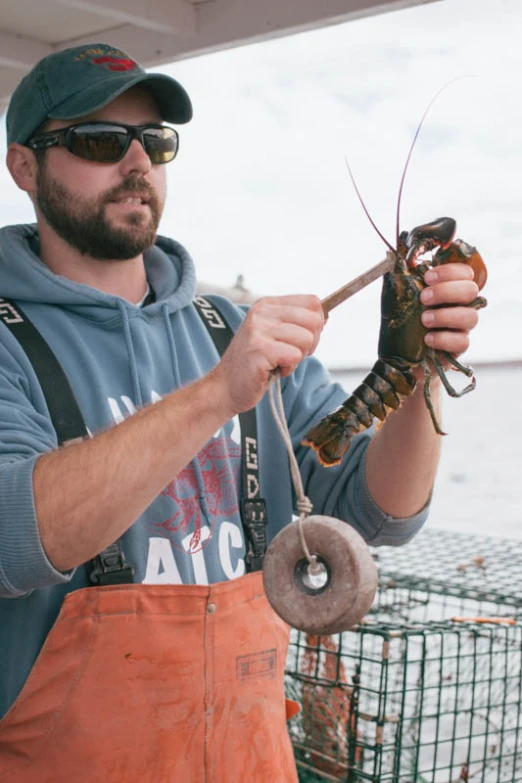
(159, 31)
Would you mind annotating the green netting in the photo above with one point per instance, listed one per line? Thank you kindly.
(424, 691)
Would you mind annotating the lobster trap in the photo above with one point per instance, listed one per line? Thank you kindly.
(429, 688)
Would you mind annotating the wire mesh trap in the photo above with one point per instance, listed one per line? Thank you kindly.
(429, 688)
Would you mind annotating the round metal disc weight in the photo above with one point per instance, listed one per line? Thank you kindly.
(333, 600)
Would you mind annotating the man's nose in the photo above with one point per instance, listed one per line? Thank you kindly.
(135, 159)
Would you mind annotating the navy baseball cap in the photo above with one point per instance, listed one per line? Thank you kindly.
(74, 82)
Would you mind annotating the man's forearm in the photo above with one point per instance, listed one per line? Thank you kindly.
(403, 456)
(88, 494)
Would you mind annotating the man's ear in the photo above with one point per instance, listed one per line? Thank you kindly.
(22, 166)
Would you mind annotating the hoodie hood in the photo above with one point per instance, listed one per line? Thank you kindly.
(25, 278)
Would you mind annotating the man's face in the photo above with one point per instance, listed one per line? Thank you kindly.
(109, 211)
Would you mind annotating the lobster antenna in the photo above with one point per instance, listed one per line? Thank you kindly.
(419, 126)
(366, 209)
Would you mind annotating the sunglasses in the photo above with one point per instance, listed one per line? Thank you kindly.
(107, 142)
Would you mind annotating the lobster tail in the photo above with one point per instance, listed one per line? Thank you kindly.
(380, 392)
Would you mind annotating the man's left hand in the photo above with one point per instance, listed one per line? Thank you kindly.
(450, 291)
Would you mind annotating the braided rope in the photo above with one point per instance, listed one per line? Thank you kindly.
(304, 505)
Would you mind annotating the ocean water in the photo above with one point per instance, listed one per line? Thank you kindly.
(479, 481)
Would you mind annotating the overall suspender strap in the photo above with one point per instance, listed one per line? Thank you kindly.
(63, 409)
(253, 506)
(110, 566)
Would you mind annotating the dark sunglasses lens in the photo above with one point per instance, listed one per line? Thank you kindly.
(104, 144)
(161, 144)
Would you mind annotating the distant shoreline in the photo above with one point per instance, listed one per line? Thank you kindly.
(501, 364)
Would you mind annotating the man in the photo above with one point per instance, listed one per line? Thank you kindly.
(175, 674)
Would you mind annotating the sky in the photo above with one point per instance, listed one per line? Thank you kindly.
(261, 188)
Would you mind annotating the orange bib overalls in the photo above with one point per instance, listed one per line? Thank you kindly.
(155, 684)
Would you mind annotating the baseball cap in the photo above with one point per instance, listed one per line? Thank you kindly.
(74, 82)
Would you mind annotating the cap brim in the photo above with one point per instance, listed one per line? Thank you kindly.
(172, 99)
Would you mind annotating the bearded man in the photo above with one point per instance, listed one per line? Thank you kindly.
(138, 645)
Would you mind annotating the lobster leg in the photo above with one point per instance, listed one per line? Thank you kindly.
(442, 375)
(479, 303)
(464, 368)
(427, 397)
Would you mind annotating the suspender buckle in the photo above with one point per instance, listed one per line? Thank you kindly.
(110, 567)
(253, 514)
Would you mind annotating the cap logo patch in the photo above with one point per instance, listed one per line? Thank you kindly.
(116, 64)
(111, 59)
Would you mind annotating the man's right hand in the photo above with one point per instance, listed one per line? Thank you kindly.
(277, 333)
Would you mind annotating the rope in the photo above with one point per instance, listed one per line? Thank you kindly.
(304, 505)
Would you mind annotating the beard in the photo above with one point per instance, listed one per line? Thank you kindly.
(82, 222)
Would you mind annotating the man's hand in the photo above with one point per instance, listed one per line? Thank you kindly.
(450, 290)
(277, 333)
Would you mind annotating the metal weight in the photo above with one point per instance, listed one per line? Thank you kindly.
(338, 595)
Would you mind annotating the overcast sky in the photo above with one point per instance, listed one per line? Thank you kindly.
(260, 187)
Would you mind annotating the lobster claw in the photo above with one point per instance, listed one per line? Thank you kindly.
(421, 239)
(460, 252)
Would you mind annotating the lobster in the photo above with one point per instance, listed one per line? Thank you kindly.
(401, 346)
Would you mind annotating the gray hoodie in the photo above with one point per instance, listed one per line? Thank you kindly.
(119, 357)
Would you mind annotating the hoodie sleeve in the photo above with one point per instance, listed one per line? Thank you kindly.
(340, 491)
(26, 433)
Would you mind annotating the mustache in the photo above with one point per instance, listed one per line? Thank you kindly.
(138, 186)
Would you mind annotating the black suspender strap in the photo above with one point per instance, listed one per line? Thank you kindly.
(110, 566)
(61, 402)
(253, 507)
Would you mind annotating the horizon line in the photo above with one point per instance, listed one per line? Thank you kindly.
(488, 363)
